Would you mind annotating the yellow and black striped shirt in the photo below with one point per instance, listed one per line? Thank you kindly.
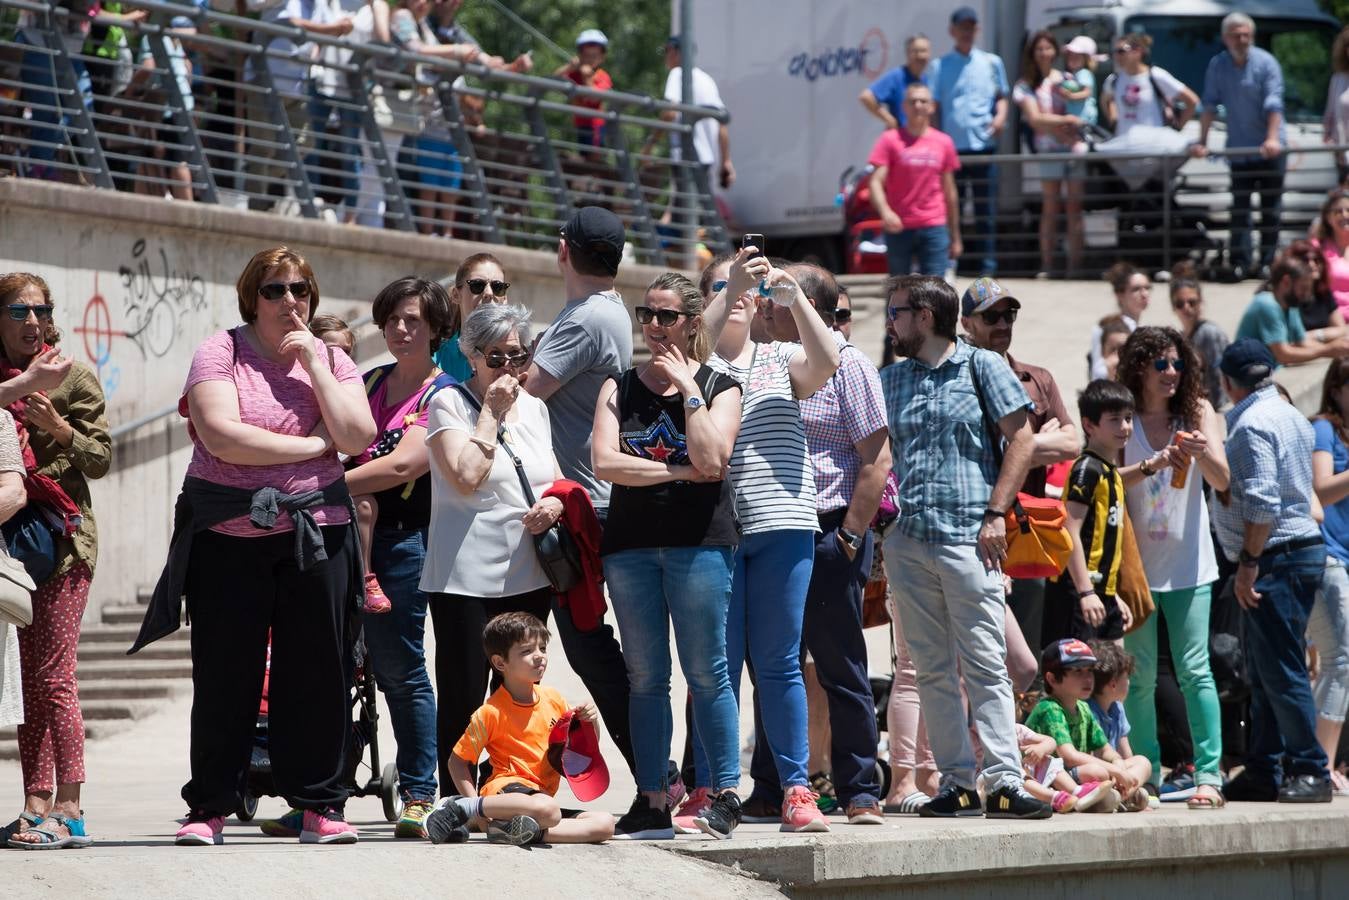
(1096, 484)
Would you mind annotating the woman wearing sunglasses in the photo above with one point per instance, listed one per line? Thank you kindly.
(59, 405)
(265, 541)
(478, 280)
(1208, 340)
(481, 560)
(1175, 428)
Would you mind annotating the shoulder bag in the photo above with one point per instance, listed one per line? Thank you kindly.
(559, 556)
(16, 592)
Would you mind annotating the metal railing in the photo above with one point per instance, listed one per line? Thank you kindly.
(228, 111)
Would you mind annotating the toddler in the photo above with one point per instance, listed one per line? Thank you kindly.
(1046, 779)
(1079, 89)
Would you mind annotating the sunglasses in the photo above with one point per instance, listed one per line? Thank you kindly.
(496, 359)
(1123, 48)
(1185, 304)
(478, 285)
(276, 290)
(719, 285)
(842, 316)
(993, 317)
(666, 317)
(894, 311)
(19, 311)
(1161, 365)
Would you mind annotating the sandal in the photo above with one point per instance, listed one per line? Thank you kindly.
(908, 806)
(18, 826)
(1207, 796)
(50, 839)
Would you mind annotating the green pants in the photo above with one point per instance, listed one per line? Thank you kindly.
(1187, 614)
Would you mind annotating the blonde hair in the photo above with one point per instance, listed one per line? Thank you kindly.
(691, 301)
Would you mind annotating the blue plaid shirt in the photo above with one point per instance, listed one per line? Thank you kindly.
(940, 444)
(1269, 451)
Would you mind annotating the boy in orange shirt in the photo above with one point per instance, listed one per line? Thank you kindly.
(513, 727)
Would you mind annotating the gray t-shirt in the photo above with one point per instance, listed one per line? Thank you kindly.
(588, 342)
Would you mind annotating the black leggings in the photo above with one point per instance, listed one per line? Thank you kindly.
(240, 589)
(461, 665)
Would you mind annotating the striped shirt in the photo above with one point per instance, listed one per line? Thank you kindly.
(1096, 484)
(770, 466)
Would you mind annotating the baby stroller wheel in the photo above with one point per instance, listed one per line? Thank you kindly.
(388, 792)
(883, 777)
(248, 810)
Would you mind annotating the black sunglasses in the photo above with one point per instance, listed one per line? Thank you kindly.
(19, 311)
(1162, 364)
(276, 290)
(842, 315)
(894, 311)
(478, 285)
(993, 317)
(665, 317)
(496, 359)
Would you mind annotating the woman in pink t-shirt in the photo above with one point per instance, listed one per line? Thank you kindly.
(268, 410)
(1331, 233)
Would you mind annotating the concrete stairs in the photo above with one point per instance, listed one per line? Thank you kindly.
(116, 689)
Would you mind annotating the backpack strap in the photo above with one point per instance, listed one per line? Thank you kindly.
(377, 376)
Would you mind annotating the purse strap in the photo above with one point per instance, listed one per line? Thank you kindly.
(504, 445)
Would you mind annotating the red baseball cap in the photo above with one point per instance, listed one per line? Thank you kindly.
(574, 748)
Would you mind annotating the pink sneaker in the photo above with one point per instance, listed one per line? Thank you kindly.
(1091, 793)
(376, 601)
(201, 830)
(327, 827)
(801, 812)
(695, 804)
(1063, 802)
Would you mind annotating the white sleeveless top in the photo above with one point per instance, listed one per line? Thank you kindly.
(1171, 525)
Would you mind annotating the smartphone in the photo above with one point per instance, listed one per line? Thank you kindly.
(753, 240)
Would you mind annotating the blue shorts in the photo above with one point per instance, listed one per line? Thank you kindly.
(438, 155)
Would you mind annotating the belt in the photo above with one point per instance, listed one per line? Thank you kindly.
(1293, 546)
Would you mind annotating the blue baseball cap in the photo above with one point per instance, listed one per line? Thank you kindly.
(964, 14)
(1247, 361)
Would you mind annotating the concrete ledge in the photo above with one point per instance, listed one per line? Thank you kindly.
(1291, 848)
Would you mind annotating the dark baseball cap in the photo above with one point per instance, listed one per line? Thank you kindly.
(1247, 361)
(984, 293)
(964, 14)
(1069, 653)
(598, 232)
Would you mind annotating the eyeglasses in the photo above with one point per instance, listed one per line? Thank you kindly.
(496, 359)
(993, 317)
(19, 311)
(1122, 49)
(665, 317)
(719, 285)
(1162, 364)
(276, 290)
(842, 316)
(894, 311)
(478, 285)
(1185, 304)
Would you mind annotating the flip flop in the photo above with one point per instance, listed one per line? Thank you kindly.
(75, 838)
(1207, 801)
(908, 806)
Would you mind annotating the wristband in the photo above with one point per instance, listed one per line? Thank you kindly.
(1247, 559)
(1088, 593)
(991, 513)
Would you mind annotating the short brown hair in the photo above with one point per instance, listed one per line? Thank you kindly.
(1111, 662)
(432, 300)
(508, 629)
(14, 282)
(263, 262)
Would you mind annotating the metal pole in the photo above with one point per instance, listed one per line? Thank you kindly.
(688, 223)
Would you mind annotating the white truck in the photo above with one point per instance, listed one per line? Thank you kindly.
(790, 72)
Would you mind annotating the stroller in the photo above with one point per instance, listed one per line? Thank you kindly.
(383, 783)
(865, 235)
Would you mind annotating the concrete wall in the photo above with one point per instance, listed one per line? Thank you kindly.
(139, 282)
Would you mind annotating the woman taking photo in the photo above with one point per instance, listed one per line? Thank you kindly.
(1133, 293)
(59, 406)
(1208, 340)
(663, 437)
(479, 279)
(265, 537)
(1174, 426)
(481, 559)
(1044, 112)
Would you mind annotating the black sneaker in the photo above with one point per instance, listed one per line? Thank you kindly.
(952, 800)
(446, 823)
(642, 823)
(1011, 802)
(1248, 788)
(520, 831)
(760, 810)
(721, 818)
(1306, 789)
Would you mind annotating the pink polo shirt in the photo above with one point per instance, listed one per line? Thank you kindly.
(916, 164)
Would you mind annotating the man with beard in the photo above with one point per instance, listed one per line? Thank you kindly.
(945, 557)
(1274, 317)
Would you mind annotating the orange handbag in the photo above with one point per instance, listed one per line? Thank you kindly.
(1038, 541)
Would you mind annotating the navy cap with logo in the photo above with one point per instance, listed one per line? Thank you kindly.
(984, 293)
(964, 14)
(1069, 653)
(1247, 361)
(598, 232)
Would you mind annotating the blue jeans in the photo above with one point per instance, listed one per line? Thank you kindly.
(929, 248)
(347, 153)
(981, 180)
(1283, 716)
(689, 587)
(37, 71)
(768, 606)
(398, 660)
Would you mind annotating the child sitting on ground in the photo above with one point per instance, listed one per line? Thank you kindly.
(1079, 740)
(1046, 779)
(336, 334)
(516, 805)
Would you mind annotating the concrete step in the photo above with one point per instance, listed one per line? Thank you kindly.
(133, 688)
(124, 667)
(158, 650)
(123, 614)
(94, 729)
(113, 710)
(126, 634)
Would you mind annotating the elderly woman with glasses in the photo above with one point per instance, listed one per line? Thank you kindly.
(480, 559)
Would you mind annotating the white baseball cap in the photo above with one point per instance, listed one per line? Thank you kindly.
(1081, 44)
(592, 36)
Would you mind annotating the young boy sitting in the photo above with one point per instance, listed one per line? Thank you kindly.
(1082, 601)
(513, 727)
(1064, 716)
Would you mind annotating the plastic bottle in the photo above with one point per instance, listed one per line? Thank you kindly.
(1179, 473)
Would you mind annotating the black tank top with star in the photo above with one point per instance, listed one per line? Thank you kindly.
(676, 513)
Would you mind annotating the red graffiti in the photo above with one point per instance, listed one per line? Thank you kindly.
(96, 329)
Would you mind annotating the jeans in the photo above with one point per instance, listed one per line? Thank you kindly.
(1283, 716)
(1328, 629)
(928, 248)
(1266, 177)
(1187, 614)
(341, 153)
(691, 588)
(398, 660)
(954, 618)
(48, 129)
(981, 180)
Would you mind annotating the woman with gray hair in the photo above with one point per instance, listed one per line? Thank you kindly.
(480, 558)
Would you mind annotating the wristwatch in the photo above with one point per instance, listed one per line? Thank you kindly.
(854, 541)
(1146, 468)
(991, 513)
(692, 404)
(1247, 559)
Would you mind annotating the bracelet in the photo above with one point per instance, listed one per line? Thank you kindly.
(1146, 468)
(486, 445)
(1089, 593)
(991, 513)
